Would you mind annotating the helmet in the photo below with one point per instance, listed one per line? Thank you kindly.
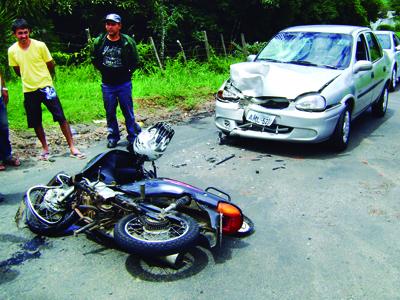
(152, 142)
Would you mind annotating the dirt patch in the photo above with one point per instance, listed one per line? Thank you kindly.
(26, 145)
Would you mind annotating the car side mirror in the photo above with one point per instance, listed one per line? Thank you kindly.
(397, 48)
(251, 57)
(362, 65)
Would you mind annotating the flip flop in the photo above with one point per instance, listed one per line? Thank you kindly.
(78, 155)
(13, 161)
(44, 156)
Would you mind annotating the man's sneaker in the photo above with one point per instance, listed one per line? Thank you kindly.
(112, 144)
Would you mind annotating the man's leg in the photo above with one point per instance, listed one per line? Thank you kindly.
(126, 105)
(5, 145)
(42, 138)
(66, 130)
(110, 106)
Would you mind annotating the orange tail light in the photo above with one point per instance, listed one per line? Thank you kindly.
(232, 217)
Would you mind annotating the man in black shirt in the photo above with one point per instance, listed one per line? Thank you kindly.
(115, 56)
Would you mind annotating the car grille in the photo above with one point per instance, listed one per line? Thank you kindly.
(274, 103)
(274, 128)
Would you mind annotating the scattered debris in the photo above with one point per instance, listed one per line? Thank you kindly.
(180, 165)
(225, 159)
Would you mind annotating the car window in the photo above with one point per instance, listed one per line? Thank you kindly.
(374, 48)
(384, 39)
(361, 51)
(319, 49)
(396, 40)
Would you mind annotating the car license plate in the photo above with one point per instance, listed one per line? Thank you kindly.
(260, 118)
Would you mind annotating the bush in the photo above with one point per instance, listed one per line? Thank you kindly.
(386, 27)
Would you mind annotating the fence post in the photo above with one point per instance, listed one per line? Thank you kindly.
(183, 52)
(223, 43)
(87, 34)
(155, 52)
(244, 45)
(206, 45)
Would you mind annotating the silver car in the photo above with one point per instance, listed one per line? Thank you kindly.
(306, 85)
(391, 45)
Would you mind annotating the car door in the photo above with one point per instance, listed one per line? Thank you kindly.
(396, 43)
(380, 65)
(363, 79)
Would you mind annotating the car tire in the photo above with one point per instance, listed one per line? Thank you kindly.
(341, 136)
(393, 81)
(379, 107)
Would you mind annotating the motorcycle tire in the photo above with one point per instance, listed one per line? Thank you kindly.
(55, 227)
(146, 236)
(247, 228)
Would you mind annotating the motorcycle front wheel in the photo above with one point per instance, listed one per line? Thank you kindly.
(149, 236)
(46, 214)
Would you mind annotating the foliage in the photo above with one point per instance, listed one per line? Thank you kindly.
(5, 34)
(386, 27)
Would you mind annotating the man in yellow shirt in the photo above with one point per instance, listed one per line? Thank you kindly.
(32, 61)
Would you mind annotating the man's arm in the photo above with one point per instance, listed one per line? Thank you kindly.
(51, 66)
(4, 91)
(17, 70)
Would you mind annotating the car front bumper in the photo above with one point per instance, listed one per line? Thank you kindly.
(290, 124)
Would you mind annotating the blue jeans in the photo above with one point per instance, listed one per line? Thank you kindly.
(122, 94)
(5, 145)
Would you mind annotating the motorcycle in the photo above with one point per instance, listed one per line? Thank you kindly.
(117, 197)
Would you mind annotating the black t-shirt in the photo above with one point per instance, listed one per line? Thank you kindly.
(113, 71)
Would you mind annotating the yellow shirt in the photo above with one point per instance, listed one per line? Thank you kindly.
(32, 64)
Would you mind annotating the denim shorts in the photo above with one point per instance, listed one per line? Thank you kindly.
(33, 106)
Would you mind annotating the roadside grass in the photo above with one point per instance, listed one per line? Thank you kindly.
(179, 86)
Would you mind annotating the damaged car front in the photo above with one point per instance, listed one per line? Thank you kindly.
(296, 89)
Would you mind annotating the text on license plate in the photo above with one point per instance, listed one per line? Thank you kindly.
(260, 118)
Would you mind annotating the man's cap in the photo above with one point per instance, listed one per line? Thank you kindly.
(113, 17)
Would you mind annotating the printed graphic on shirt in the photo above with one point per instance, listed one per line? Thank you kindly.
(112, 56)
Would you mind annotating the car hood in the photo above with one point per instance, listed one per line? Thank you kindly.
(257, 79)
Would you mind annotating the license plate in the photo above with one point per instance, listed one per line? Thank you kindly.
(260, 118)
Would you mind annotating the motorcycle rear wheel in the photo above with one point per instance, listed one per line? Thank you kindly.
(147, 236)
(42, 220)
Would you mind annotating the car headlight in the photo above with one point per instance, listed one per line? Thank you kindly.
(229, 93)
(311, 102)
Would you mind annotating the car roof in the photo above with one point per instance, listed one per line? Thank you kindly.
(383, 32)
(344, 29)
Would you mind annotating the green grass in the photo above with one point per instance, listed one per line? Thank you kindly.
(178, 86)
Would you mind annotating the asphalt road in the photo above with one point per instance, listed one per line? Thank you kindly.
(327, 224)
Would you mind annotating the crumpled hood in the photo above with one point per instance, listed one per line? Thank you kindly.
(258, 79)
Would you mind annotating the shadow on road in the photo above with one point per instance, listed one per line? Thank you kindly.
(190, 264)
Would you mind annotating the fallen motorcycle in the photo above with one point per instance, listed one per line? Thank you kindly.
(117, 197)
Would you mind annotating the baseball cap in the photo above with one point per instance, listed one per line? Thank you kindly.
(113, 17)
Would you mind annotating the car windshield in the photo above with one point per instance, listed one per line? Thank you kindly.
(329, 50)
(384, 40)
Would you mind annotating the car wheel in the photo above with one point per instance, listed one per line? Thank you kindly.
(379, 107)
(393, 82)
(341, 136)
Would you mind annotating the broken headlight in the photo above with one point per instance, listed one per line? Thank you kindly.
(228, 93)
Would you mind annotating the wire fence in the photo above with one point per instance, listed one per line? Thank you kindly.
(200, 49)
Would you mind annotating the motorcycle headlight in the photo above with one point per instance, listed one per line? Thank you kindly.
(311, 102)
